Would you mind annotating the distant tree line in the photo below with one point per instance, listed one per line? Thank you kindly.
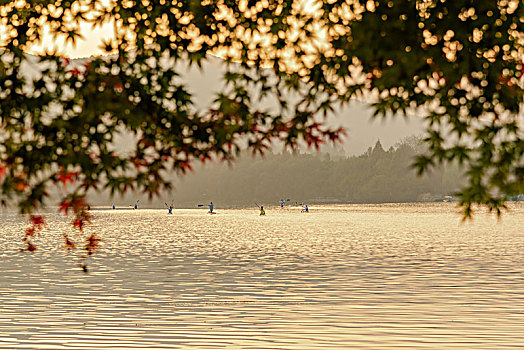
(373, 177)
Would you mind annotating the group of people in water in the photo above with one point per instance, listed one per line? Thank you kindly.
(305, 209)
(211, 207)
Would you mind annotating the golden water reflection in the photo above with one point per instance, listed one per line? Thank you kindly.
(357, 276)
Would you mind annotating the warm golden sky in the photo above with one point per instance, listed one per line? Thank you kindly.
(93, 38)
(86, 47)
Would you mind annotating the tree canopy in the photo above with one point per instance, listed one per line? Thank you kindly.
(459, 64)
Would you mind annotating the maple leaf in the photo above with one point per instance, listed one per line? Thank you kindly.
(37, 220)
(75, 71)
(64, 206)
(29, 232)
(119, 87)
(3, 170)
(79, 224)
(20, 186)
(69, 176)
(205, 157)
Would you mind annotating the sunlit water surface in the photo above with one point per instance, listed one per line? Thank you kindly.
(340, 277)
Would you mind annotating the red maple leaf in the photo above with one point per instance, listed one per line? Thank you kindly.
(20, 186)
(79, 224)
(3, 170)
(66, 177)
(29, 232)
(75, 71)
(37, 221)
(205, 157)
(64, 206)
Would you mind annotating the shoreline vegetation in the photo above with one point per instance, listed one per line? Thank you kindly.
(376, 176)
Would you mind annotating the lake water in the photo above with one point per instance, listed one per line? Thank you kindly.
(341, 277)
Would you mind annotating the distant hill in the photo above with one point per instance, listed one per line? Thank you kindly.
(375, 176)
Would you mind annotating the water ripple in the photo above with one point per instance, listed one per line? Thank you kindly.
(358, 276)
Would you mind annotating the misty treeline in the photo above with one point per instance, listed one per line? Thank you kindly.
(375, 176)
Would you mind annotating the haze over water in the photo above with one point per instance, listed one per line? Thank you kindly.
(341, 277)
